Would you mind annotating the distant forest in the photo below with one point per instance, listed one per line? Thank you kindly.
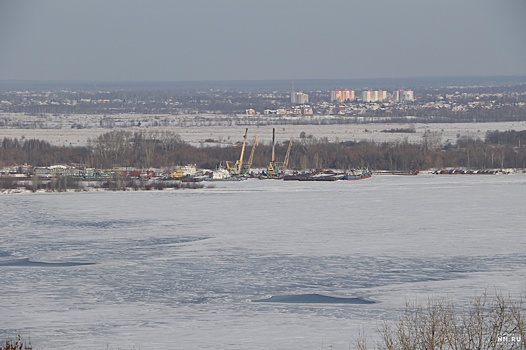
(166, 149)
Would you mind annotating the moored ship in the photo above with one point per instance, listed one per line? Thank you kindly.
(357, 174)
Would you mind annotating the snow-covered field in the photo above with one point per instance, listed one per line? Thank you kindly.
(61, 130)
(181, 269)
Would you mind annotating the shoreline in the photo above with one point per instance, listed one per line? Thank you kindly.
(204, 185)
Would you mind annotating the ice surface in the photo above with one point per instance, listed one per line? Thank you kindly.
(313, 299)
(179, 269)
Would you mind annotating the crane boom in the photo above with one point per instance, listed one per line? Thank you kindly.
(239, 163)
(273, 159)
(237, 168)
(251, 158)
(277, 169)
(287, 156)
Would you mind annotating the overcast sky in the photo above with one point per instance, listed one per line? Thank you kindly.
(173, 40)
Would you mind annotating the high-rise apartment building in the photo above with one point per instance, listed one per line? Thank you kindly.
(380, 95)
(368, 96)
(409, 95)
(348, 95)
(335, 95)
(299, 98)
(374, 95)
(342, 95)
(403, 96)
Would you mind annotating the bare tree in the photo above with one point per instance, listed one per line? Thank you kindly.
(486, 324)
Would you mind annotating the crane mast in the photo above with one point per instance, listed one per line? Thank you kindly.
(277, 169)
(273, 158)
(251, 158)
(245, 169)
(238, 166)
(287, 156)
(240, 161)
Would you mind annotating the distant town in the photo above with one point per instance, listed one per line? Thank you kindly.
(139, 136)
(492, 101)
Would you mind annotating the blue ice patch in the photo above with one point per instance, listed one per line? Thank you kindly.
(28, 263)
(313, 299)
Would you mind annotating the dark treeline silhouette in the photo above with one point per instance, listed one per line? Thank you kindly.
(39, 153)
(166, 149)
(511, 137)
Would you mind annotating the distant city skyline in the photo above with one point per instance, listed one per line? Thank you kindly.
(259, 40)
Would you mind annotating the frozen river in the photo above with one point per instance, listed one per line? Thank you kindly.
(183, 269)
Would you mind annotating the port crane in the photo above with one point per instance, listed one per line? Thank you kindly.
(235, 169)
(277, 169)
(240, 167)
(245, 168)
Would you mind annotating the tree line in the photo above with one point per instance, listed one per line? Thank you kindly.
(487, 323)
(166, 149)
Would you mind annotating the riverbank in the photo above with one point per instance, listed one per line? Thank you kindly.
(57, 186)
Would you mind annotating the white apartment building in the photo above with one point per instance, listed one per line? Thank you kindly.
(403, 96)
(299, 98)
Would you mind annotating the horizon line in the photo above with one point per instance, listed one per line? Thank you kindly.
(262, 80)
